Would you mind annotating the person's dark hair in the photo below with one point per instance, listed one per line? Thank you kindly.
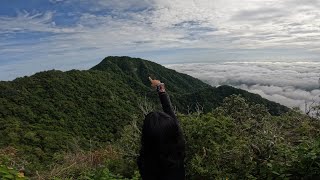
(162, 147)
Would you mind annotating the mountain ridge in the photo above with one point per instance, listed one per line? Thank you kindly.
(43, 113)
(185, 88)
(140, 69)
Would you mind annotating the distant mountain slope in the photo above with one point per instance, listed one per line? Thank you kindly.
(44, 113)
(137, 70)
(185, 90)
(210, 98)
(49, 111)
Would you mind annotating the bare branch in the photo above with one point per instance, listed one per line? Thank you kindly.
(145, 106)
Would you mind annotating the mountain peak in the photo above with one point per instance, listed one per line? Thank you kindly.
(138, 70)
(119, 60)
(182, 87)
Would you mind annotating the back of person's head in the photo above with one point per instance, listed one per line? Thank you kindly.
(162, 146)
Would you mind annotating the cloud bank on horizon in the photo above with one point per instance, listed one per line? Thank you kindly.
(66, 34)
(292, 84)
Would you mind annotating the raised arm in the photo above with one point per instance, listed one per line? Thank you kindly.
(164, 97)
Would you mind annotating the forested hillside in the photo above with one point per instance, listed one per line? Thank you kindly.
(186, 91)
(85, 125)
(137, 70)
(42, 114)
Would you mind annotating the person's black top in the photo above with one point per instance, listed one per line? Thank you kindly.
(179, 172)
(166, 104)
(174, 173)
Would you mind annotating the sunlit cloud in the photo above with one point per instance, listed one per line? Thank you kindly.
(47, 35)
(293, 84)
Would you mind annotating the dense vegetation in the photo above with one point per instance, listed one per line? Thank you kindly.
(86, 125)
(188, 93)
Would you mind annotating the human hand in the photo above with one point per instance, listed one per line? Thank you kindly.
(154, 82)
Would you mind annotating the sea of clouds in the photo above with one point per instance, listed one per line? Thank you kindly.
(293, 84)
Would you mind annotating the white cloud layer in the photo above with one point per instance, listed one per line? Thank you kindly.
(289, 83)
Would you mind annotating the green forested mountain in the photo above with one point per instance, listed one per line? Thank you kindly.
(43, 113)
(85, 124)
(212, 97)
(185, 90)
(137, 70)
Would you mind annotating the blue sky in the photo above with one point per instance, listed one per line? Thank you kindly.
(37, 35)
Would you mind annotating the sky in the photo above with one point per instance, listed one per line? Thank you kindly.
(38, 35)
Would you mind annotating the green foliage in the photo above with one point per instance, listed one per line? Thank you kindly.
(7, 173)
(86, 125)
(41, 115)
(211, 98)
(242, 141)
(44, 113)
(105, 174)
(136, 71)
